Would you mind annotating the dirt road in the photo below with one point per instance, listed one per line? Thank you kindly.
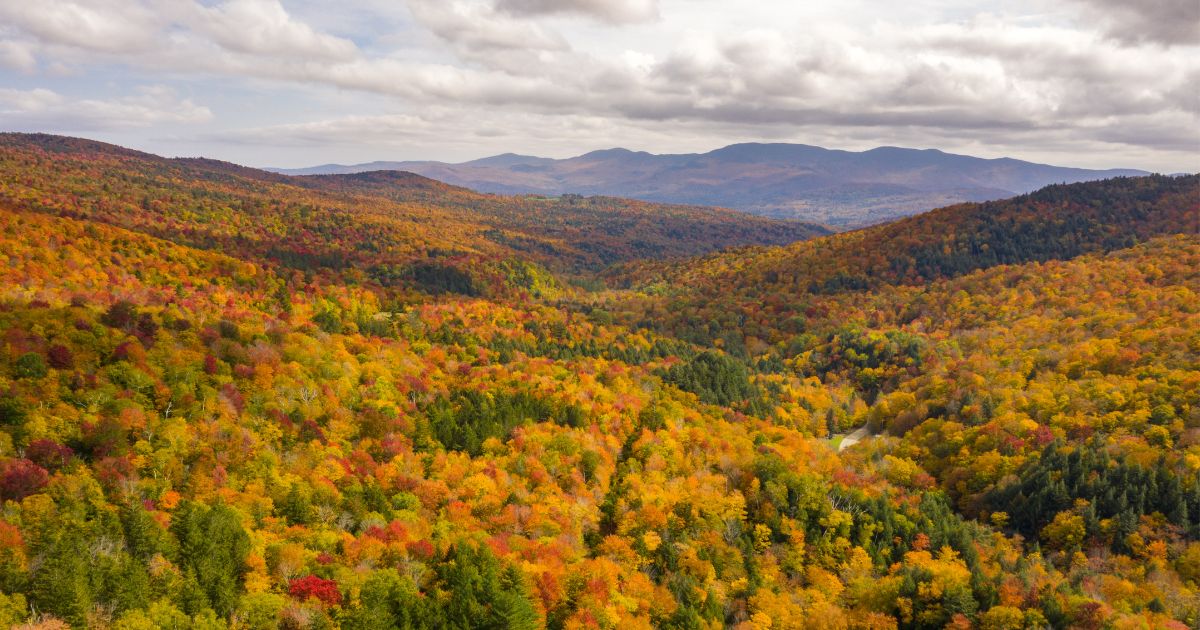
(854, 438)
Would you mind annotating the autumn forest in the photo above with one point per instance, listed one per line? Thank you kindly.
(237, 399)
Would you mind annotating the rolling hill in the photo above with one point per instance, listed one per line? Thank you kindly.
(237, 399)
(389, 226)
(1054, 223)
(839, 188)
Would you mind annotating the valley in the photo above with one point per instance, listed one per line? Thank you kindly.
(231, 398)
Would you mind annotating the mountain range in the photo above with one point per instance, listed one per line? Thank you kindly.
(844, 189)
(383, 222)
(238, 399)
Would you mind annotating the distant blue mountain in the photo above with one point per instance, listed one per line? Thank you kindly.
(839, 188)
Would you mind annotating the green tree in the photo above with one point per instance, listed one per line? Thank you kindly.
(212, 551)
(30, 365)
(482, 594)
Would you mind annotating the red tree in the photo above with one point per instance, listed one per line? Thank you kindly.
(20, 478)
(313, 586)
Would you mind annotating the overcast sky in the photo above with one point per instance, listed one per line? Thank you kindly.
(1097, 83)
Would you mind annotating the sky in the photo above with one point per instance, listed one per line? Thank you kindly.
(1092, 83)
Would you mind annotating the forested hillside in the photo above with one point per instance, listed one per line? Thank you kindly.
(231, 399)
(395, 229)
(605, 229)
(1054, 223)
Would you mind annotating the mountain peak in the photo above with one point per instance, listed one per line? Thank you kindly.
(774, 179)
(893, 149)
(610, 154)
(506, 160)
(767, 151)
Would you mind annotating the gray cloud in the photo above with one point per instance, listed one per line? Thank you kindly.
(479, 32)
(613, 11)
(1169, 22)
(501, 71)
(17, 55)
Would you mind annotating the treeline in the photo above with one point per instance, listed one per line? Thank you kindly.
(1055, 223)
(1077, 488)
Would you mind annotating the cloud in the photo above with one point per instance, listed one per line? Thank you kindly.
(263, 27)
(987, 75)
(512, 69)
(387, 129)
(17, 56)
(613, 11)
(987, 79)
(20, 101)
(1167, 22)
(477, 28)
(135, 27)
(435, 133)
(45, 110)
(114, 26)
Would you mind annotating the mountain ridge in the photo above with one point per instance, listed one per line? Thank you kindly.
(231, 398)
(837, 187)
(377, 222)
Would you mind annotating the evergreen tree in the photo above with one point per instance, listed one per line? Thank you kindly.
(212, 550)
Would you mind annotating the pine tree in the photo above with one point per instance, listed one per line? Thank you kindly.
(212, 548)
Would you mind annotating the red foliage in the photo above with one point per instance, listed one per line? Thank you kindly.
(60, 358)
(111, 471)
(104, 438)
(310, 430)
(234, 396)
(311, 586)
(127, 351)
(120, 315)
(48, 454)
(1043, 435)
(20, 478)
(422, 549)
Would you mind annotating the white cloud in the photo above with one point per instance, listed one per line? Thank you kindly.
(45, 110)
(129, 28)
(263, 27)
(23, 101)
(705, 70)
(386, 129)
(18, 56)
(114, 26)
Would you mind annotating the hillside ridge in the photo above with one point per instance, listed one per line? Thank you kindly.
(833, 186)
